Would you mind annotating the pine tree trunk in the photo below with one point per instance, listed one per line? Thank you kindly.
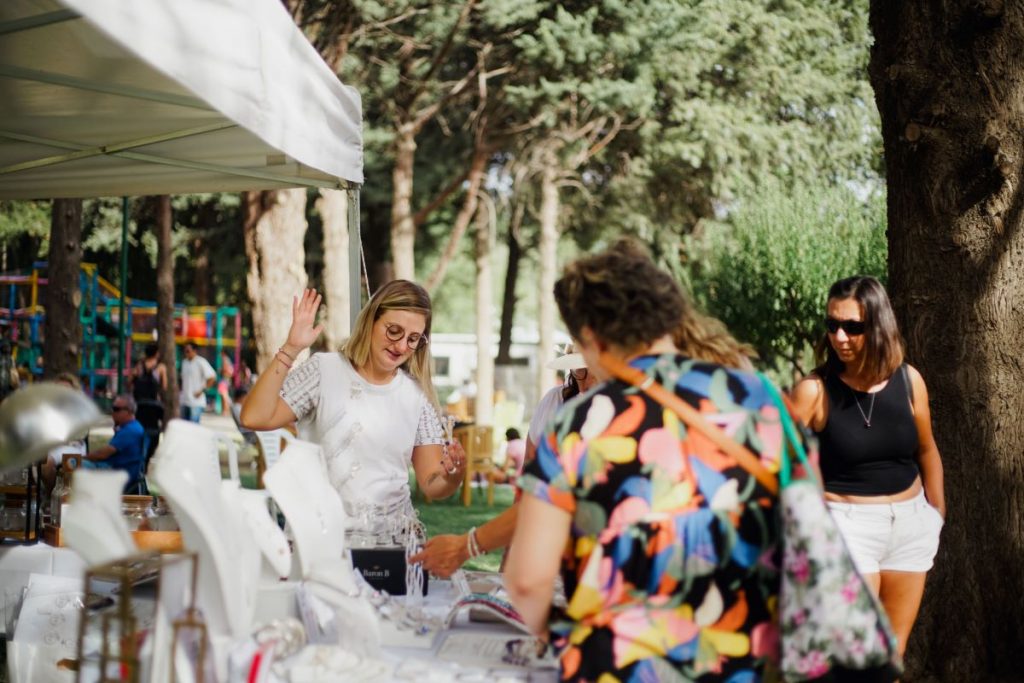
(508, 304)
(275, 227)
(484, 318)
(548, 255)
(947, 80)
(165, 301)
(475, 178)
(403, 229)
(63, 329)
(333, 208)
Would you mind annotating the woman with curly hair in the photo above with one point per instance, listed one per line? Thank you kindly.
(667, 547)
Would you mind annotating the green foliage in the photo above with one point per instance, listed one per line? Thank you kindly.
(766, 273)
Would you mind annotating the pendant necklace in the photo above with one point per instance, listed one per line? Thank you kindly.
(871, 408)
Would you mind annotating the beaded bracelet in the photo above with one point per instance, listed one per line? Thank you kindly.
(290, 356)
(285, 363)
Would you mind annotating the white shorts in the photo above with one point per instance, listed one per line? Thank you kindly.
(900, 537)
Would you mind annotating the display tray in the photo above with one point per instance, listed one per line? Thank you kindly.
(163, 541)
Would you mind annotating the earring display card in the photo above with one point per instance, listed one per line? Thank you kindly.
(47, 628)
(383, 568)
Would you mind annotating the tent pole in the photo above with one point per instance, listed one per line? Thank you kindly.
(355, 299)
(122, 317)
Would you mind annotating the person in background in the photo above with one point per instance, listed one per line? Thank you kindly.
(125, 451)
(227, 373)
(197, 375)
(371, 406)
(443, 554)
(668, 548)
(701, 336)
(881, 468)
(577, 380)
(149, 382)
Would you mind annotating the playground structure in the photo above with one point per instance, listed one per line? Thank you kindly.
(217, 328)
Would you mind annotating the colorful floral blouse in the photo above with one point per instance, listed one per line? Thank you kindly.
(671, 568)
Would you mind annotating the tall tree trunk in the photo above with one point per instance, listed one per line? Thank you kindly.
(165, 301)
(333, 208)
(947, 80)
(63, 329)
(403, 228)
(475, 178)
(548, 255)
(484, 315)
(508, 304)
(275, 227)
(202, 277)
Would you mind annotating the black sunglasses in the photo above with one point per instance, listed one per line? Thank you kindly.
(114, 409)
(853, 328)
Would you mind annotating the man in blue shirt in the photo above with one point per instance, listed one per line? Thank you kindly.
(126, 451)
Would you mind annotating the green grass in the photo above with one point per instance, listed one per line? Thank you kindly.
(449, 516)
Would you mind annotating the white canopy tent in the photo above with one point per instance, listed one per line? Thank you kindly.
(115, 98)
(135, 97)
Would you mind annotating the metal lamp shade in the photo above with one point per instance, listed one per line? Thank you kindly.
(38, 418)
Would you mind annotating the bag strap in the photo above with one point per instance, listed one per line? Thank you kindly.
(693, 419)
(791, 437)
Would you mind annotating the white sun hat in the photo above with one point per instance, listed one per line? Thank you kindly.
(570, 361)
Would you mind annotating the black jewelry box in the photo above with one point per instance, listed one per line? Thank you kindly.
(384, 568)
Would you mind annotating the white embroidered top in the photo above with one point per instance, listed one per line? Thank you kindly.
(367, 431)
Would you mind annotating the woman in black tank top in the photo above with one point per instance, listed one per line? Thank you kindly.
(880, 465)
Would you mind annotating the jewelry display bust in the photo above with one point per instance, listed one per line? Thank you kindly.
(186, 468)
(93, 526)
(299, 485)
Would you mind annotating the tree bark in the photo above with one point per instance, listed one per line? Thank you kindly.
(403, 229)
(477, 167)
(274, 226)
(484, 315)
(548, 256)
(508, 305)
(63, 329)
(947, 80)
(165, 302)
(333, 208)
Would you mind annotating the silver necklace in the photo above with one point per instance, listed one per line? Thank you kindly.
(871, 408)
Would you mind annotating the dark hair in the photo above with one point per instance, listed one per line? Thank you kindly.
(883, 344)
(621, 296)
(190, 345)
(151, 350)
(511, 434)
(571, 387)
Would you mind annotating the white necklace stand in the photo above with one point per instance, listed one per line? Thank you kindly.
(316, 516)
(298, 483)
(186, 468)
(94, 527)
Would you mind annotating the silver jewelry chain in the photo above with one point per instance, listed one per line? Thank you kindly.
(871, 408)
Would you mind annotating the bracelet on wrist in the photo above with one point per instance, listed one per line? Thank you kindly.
(290, 356)
(472, 545)
(277, 356)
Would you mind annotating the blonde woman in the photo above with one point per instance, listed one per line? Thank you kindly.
(371, 406)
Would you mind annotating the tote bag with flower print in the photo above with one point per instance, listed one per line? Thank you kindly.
(832, 626)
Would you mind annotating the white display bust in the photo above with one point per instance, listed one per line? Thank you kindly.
(94, 526)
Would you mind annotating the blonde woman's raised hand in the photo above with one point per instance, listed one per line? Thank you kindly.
(304, 329)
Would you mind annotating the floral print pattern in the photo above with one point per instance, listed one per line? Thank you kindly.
(672, 566)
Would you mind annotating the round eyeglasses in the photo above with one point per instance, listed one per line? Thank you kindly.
(396, 333)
